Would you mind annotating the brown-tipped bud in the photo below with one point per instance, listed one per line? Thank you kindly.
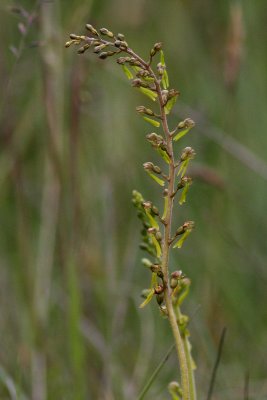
(148, 166)
(159, 289)
(161, 68)
(156, 268)
(75, 37)
(147, 205)
(103, 55)
(173, 283)
(152, 52)
(143, 73)
(155, 210)
(187, 123)
(120, 36)
(121, 44)
(165, 192)
(185, 180)
(158, 236)
(82, 49)
(144, 110)
(160, 298)
(136, 82)
(134, 62)
(106, 32)
(157, 46)
(91, 29)
(151, 167)
(177, 274)
(154, 139)
(173, 93)
(151, 230)
(121, 60)
(185, 281)
(187, 153)
(185, 227)
(99, 48)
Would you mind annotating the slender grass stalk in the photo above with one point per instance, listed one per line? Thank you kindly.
(155, 373)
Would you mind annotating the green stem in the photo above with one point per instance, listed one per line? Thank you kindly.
(166, 242)
(167, 238)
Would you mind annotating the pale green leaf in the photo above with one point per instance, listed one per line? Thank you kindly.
(127, 72)
(170, 104)
(162, 59)
(152, 122)
(152, 220)
(165, 207)
(165, 79)
(184, 194)
(149, 93)
(154, 280)
(148, 299)
(180, 242)
(181, 134)
(156, 178)
(157, 245)
(164, 155)
(183, 167)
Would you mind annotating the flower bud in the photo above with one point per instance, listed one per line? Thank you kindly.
(120, 36)
(158, 236)
(159, 289)
(146, 262)
(91, 29)
(106, 32)
(103, 55)
(75, 37)
(187, 153)
(97, 49)
(147, 205)
(187, 123)
(144, 110)
(157, 46)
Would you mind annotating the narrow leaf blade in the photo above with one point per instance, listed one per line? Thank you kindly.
(127, 72)
(156, 178)
(152, 122)
(148, 299)
(149, 93)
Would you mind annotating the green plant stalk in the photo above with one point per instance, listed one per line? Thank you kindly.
(167, 240)
(186, 344)
(169, 198)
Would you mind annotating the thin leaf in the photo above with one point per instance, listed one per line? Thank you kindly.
(165, 79)
(170, 104)
(157, 246)
(154, 281)
(162, 59)
(164, 155)
(156, 178)
(165, 207)
(152, 122)
(148, 299)
(184, 194)
(127, 72)
(183, 167)
(149, 93)
(181, 134)
(180, 242)
(152, 220)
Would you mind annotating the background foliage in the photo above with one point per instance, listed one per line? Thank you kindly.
(71, 152)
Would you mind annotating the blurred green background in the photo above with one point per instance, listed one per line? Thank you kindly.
(71, 152)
